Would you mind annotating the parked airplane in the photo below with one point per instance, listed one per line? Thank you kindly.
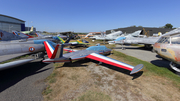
(168, 47)
(28, 32)
(110, 36)
(147, 41)
(5, 36)
(120, 39)
(51, 36)
(39, 36)
(13, 50)
(93, 52)
(75, 43)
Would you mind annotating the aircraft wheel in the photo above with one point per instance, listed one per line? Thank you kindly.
(175, 67)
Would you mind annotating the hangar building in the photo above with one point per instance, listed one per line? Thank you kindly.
(8, 23)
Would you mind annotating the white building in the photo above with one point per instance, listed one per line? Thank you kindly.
(8, 23)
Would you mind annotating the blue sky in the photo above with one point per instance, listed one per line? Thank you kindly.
(92, 15)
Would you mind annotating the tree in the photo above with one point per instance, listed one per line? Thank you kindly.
(169, 26)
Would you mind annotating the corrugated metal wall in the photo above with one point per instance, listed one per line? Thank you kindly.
(9, 27)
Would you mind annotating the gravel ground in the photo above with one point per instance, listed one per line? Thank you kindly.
(24, 83)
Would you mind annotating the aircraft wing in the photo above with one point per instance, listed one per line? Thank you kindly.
(69, 50)
(84, 43)
(150, 43)
(114, 62)
(10, 56)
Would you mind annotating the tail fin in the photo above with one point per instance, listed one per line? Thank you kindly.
(61, 40)
(67, 41)
(31, 28)
(39, 34)
(53, 53)
(22, 34)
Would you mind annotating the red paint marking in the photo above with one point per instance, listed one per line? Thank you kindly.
(55, 51)
(14, 33)
(2, 34)
(47, 50)
(108, 62)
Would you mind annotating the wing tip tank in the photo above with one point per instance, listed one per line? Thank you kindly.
(137, 68)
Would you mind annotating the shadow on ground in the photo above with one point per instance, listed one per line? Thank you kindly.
(12, 76)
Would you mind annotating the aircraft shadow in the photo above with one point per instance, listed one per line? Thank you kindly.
(79, 62)
(12, 76)
(137, 48)
(127, 72)
(161, 63)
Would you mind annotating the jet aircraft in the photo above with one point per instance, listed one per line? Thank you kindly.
(28, 32)
(168, 47)
(93, 52)
(39, 36)
(75, 43)
(13, 50)
(147, 41)
(121, 39)
(110, 36)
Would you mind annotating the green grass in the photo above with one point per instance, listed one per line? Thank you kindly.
(24, 56)
(150, 69)
(47, 91)
(51, 78)
(94, 96)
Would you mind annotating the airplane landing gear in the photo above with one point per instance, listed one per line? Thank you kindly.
(175, 67)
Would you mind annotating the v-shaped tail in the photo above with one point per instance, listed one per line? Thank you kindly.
(53, 53)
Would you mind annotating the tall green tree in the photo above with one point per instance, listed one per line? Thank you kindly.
(169, 26)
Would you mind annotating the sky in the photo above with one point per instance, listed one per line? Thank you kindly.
(92, 15)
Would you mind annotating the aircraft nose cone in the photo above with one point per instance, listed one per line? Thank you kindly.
(155, 47)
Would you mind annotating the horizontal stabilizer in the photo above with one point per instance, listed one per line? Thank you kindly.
(69, 50)
(137, 68)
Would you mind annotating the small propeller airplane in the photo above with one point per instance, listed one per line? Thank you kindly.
(93, 52)
(78, 42)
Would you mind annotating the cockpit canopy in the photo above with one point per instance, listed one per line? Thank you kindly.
(169, 40)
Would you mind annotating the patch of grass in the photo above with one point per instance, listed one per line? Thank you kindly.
(51, 78)
(57, 65)
(150, 69)
(137, 45)
(24, 56)
(47, 91)
(94, 96)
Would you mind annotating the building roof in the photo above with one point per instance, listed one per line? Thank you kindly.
(11, 17)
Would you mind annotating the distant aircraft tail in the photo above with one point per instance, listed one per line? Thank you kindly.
(61, 39)
(39, 35)
(22, 35)
(137, 33)
(53, 53)
(67, 41)
(31, 28)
